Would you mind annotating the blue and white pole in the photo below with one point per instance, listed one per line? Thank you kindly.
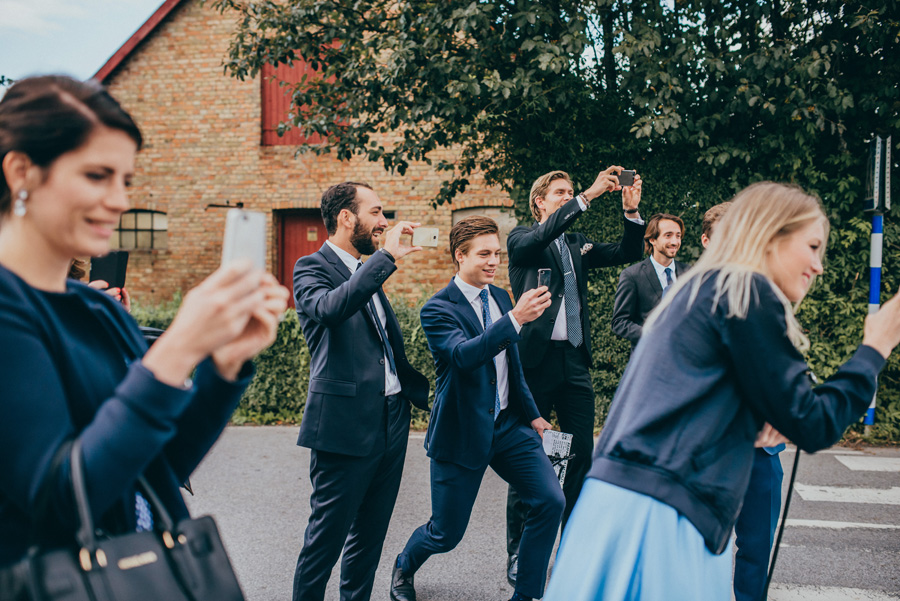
(875, 287)
(880, 202)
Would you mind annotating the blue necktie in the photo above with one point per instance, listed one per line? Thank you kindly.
(668, 271)
(573, 314)
(486, 314)
(381, 333)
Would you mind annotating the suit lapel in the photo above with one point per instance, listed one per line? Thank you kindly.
(652, 279)
(465, 308)
(344, 275)
(335, 262)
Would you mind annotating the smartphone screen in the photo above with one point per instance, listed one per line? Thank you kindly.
(245, 237)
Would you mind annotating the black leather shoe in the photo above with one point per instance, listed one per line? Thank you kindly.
(402, 588)
(512, 569)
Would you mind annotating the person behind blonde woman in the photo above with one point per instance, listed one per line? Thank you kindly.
(72, 361)
(720, 356)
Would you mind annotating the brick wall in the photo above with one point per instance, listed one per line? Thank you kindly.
(202, 146)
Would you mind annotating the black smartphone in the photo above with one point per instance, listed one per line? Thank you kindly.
(626, 178)
(543, 278)
(110, 267)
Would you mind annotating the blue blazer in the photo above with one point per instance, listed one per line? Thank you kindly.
(461, 428)
(345, 404)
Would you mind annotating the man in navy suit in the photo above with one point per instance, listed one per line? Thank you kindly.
(483, 414)
(356, 419)
(641, 286)
(756, 524)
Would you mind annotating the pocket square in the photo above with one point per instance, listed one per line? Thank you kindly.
(586, 248)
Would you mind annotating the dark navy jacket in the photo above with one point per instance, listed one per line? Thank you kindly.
(697, 390)
(461, 429)
(346, 404)
(533, 248)
(69, 365)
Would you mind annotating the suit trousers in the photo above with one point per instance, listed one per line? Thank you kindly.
(352, 502)
(563, 383)
(518, 457)
(755, 526)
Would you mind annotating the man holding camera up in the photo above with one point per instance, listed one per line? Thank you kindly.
(556, 347)
(483, 413)
(361, 385)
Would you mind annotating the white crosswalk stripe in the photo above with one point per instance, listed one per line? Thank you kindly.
(795, 523)
(847, 494)
(791, 592)
(870, 464)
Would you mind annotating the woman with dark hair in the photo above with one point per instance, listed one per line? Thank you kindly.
(73, 363)
(719, 357)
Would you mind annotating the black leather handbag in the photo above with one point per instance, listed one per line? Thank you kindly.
(175, 562)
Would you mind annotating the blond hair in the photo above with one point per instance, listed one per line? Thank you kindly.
(761, 215)
(541, 185)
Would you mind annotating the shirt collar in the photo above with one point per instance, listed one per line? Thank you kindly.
(468, 290)
(349, 260)
(661, 269)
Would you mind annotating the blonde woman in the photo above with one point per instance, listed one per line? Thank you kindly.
(720, 356)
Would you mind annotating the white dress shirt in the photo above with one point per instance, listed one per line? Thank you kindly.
(391, 381)
(472, 295)
(560, 331)
(661, 271)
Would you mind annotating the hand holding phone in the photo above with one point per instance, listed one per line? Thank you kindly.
(110, 268)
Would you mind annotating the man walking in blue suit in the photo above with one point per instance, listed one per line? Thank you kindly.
(483, 414)
(356, 419)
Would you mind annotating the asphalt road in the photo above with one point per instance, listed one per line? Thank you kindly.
(839, 543)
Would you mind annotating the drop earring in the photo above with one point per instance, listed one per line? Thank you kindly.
(19, 208)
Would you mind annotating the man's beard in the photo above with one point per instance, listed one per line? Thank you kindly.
(361, 239)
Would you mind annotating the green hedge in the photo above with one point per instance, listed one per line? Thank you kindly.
(278, 392)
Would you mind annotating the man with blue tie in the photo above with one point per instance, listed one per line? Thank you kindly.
(642, 285)
(356, 419)
(483, 414)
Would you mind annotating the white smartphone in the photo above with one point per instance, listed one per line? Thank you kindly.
(245, 237)
(425, 236)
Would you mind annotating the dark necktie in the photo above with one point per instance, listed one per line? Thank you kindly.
(381, 333)
(486, 314)
(668, 271)
(573, 314)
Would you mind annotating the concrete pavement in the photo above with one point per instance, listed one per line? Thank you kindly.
(839, 544)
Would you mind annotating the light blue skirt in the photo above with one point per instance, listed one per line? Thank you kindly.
(620, 545)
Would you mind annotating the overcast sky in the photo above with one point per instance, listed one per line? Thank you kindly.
(74, 37)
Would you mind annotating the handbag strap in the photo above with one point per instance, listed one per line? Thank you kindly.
(86, 535)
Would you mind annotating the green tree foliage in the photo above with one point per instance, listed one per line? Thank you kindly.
(702, 97)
